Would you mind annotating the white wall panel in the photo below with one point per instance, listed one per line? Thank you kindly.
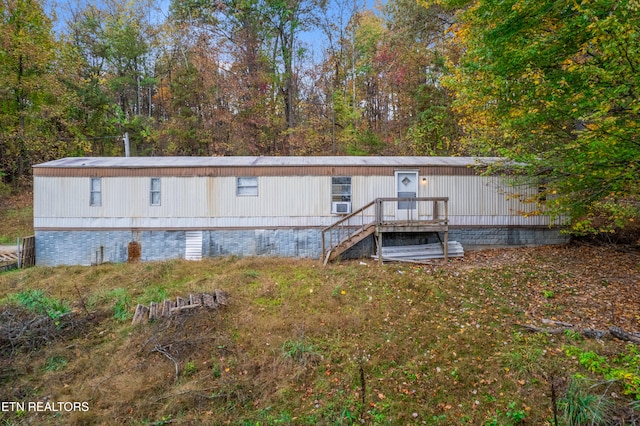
(61, 197)
(476, 195)
(277, 196)
(294, 200)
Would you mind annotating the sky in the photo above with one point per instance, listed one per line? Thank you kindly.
(62, 9)
(314, 40)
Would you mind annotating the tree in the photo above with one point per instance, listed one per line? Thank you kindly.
(382, 81)
(277, 24)
(31, 98)
(423, 113)
(555, 86)
(111, 49)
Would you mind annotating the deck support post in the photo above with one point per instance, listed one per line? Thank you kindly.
(446, 245)
(379, 226)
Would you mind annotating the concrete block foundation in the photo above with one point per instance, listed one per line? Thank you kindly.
(90, 247)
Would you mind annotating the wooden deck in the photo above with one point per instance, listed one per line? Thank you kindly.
(413, 226)
(371, 220)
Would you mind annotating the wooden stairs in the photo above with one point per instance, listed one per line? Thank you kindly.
(353, 239)
(375, 219)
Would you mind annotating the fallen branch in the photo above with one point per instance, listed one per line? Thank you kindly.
(623, 335)
(163, 351)
(614, 331)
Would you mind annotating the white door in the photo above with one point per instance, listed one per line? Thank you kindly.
(406, 186)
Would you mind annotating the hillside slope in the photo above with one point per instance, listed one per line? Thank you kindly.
(298, 343)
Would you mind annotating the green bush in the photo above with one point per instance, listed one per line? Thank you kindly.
(624, 368)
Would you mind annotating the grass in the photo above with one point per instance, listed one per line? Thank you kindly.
(394, 344)
(344, 344)
(580, 406)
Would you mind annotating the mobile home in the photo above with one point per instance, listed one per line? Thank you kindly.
(93, 210)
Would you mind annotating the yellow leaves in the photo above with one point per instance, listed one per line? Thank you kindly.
(633, 5)
(535, 75)
(518, 7)
(516, 113)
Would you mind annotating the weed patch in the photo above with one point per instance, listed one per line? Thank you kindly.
(37, 301)
(55, 363)
(623, 368)
(118, 300)
(580, 406)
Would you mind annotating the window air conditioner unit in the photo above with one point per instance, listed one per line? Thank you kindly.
(341, 207)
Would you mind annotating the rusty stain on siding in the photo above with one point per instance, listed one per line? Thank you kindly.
(250, 171)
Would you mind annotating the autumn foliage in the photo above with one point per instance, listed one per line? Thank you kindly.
(552, 85)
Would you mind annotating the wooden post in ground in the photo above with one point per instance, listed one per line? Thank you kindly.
(446, 230)
(166, 307)
(446, 245)
(141, 315)
(153, 311)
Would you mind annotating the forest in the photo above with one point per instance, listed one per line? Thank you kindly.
(553, 86)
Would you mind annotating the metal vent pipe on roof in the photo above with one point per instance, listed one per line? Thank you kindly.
(126, 144)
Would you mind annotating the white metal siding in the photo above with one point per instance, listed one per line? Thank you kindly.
(367, 188)
(121, 197)
(475, 195)
(61, 197)
(192, 202)
(277, 197)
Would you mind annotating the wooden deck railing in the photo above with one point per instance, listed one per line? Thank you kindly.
(339, 231)
(373, 214)
(412, 215)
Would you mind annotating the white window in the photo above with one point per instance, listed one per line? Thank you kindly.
(341, 195)
(247, 186)
(155, 191)
(95, 198)
(341, 189)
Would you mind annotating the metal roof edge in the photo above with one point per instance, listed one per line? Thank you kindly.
(266, 161)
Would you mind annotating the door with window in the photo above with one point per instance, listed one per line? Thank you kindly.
(406, 186)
